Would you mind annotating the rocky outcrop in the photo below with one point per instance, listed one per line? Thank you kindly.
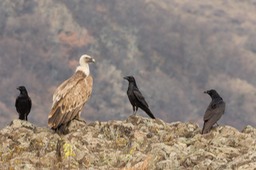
(135, 143)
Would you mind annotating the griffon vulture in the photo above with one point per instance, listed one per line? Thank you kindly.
(69, 98)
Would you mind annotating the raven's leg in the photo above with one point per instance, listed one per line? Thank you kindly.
(134, 110)
(22, 116)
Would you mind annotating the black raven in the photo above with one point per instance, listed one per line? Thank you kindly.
(136, 98)
(23, 103)
(214, 111)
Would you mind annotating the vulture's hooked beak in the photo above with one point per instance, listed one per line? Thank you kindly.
(92, 60)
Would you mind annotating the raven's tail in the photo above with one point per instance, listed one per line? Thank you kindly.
(203, 128)
(148, 111)
(206, 128)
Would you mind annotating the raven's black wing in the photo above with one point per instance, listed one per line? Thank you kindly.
(139, 97)
(213, 113)
(214, 108)
(142, 103)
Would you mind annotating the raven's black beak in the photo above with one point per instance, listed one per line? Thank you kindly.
(18, 88)
(206, 92)
(126, 78)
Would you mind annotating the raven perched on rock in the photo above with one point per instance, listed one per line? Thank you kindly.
(136, 98)
(23, 103)
(214, 111)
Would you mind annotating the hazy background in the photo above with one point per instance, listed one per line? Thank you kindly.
(176, 49)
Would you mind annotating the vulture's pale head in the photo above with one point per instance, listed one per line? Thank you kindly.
(84, 63)
(85, 59)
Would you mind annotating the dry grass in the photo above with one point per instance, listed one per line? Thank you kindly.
(143, 165)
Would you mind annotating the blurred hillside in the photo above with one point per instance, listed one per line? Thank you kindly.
(176, 49)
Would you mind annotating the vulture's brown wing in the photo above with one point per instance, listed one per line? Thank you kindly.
(69, 99)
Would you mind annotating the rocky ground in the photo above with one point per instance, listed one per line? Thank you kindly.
(135, 143)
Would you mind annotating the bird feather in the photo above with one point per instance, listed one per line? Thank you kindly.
(69, 99)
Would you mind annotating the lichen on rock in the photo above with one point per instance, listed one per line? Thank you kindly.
(135, 143)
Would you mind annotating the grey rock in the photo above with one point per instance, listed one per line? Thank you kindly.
(135, 143)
